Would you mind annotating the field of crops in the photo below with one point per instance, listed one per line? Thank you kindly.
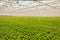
(29, 28)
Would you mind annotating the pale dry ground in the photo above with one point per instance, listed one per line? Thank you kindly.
(35, 11)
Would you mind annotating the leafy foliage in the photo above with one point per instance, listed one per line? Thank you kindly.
(29, 28)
